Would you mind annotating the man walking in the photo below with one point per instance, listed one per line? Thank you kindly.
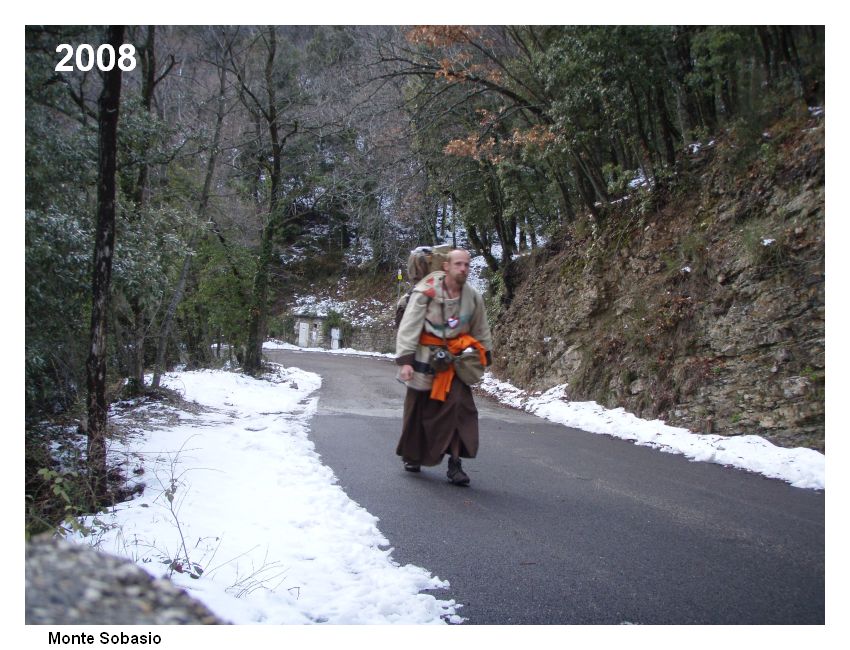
(444, 315)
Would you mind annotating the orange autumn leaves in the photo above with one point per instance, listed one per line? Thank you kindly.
(487, 148)
(457, 68)
(460, 68)
(441, 35)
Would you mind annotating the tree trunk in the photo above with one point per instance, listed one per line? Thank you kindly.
(581, 183)
(563, 190)
(259, 308)
(504, 231)
(649, 170)
(168, 319)
(668, 131)
(257, 324)
(797, 68)
(108, 106)
(529, 229)
(484, 249)
(147, 57)
(766, 52)
(139, 333)
(165, 330)
(591, 170)
(687, 99)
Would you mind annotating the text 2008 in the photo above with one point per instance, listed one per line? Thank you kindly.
(86, 57)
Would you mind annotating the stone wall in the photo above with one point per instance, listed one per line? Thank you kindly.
(372, 339)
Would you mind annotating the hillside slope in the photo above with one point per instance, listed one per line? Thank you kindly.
(702, 305)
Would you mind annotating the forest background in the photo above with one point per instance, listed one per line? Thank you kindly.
(252, 161)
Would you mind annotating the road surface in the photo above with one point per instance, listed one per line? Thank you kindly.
(561, 526)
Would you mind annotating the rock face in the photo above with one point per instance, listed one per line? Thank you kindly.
(702, 305)
(71, 584)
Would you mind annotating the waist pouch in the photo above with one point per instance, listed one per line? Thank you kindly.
(468, 367)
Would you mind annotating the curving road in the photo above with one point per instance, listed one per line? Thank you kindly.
(560, 526)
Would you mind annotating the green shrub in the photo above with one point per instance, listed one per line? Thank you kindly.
(335, 319)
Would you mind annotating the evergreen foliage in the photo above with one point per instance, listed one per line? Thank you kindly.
(255, 157)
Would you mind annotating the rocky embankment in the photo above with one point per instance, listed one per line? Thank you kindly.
(702, 306)
(73, 584)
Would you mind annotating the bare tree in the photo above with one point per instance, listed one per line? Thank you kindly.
(263, 102)
(108, 106)
(141, 197)
(168, 319)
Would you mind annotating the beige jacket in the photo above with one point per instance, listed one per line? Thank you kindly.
(430, 310)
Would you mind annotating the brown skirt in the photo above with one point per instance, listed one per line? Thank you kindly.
(428, 425)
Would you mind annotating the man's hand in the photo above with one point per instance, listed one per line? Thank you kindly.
(406, 373)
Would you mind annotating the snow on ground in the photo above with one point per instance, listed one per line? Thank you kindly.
(237, 496)
(359, 314)
(240, 511)
(803, 468)
(476, 279)
(279, 345)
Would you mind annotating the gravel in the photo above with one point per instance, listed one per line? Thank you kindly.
(74, 584)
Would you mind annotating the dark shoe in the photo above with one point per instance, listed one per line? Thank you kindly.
(456, 474)
(411, 467)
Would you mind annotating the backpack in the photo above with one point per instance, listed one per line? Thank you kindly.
(422, 261)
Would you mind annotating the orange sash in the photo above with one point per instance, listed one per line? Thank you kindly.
(443, 380)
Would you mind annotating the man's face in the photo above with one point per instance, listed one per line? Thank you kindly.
(457, 267)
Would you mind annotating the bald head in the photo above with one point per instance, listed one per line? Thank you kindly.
(456, 267)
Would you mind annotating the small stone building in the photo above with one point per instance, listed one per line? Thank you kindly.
(312, 331)
(309, 331)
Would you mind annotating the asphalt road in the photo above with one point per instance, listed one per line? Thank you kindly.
(561, 526)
